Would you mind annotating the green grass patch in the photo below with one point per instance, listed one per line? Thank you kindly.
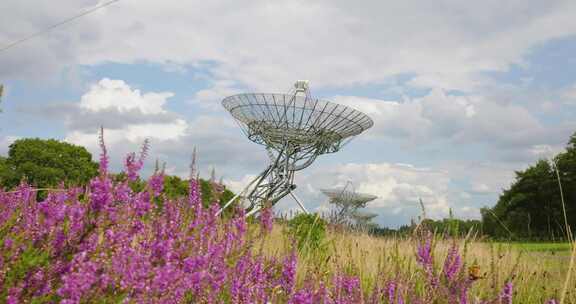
(540, 247)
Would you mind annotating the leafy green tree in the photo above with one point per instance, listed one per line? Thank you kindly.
(175, 187)
(46, 163)
(206, 190)
(4, 169)
(453, 227)
(226, 196)
(533, 208)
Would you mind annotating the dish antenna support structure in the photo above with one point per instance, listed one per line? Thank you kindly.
(295, 128)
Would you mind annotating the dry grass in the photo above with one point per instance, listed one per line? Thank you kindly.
(538, 275)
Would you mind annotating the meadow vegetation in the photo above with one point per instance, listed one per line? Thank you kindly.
(538, 271)
(125, 240)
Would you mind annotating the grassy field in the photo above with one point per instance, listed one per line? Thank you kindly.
(541, 247)
(538, 270)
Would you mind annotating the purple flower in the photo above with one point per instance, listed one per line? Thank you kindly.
(100, 193)
(77, 283)
(289, 273)
(391, 290)
(13, 295)
(133, 165)
(8, 242)
(103, 155)
(266, 219)
(194, 192)
(452, 263)
(347, 289)
(322, 294)
(156, 183)
(59, 240)
(506, 294)
(425, 257)
(303, 296)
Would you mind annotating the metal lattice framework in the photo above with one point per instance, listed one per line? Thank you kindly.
(295, 128)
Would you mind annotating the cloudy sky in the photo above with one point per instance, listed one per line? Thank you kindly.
(462, 93)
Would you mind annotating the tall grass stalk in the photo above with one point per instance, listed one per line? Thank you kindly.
(568, 235)
(568, 230)
(568, 275)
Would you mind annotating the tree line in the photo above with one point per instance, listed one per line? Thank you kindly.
(540, 203)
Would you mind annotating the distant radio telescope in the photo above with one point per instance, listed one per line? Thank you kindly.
(348, 201)
(295, 128)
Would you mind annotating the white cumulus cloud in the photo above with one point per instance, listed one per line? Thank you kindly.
(458, 119)
(117, 94)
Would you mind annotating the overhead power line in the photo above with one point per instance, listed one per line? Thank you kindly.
(48, 29)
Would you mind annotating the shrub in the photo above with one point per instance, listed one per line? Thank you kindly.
(308, 230)
(46, 163)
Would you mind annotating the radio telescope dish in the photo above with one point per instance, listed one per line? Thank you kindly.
(295, 128)
(347, 200)
(364, 216)
(339, 195)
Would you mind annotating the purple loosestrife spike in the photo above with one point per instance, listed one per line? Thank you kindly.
(391, 290)
(452, 263)
(13, 295)
(322, 294)
(400, 299)
(347, 289)
(144, 150)
(193, 169)
(143, 204)
(75, 284)
(122, 192)
(103, 154)
(303, 296)
(506, 294)
(194, 196)
(133, 165)
(8, 242)
(425, 257)
(464, 291)
(59, 239)
(156, 183)
(259, 278)
(241, 268)
(289, 273)
(266, 219)
(239, 223)
(100, 193)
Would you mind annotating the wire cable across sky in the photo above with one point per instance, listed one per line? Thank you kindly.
(48, 29)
